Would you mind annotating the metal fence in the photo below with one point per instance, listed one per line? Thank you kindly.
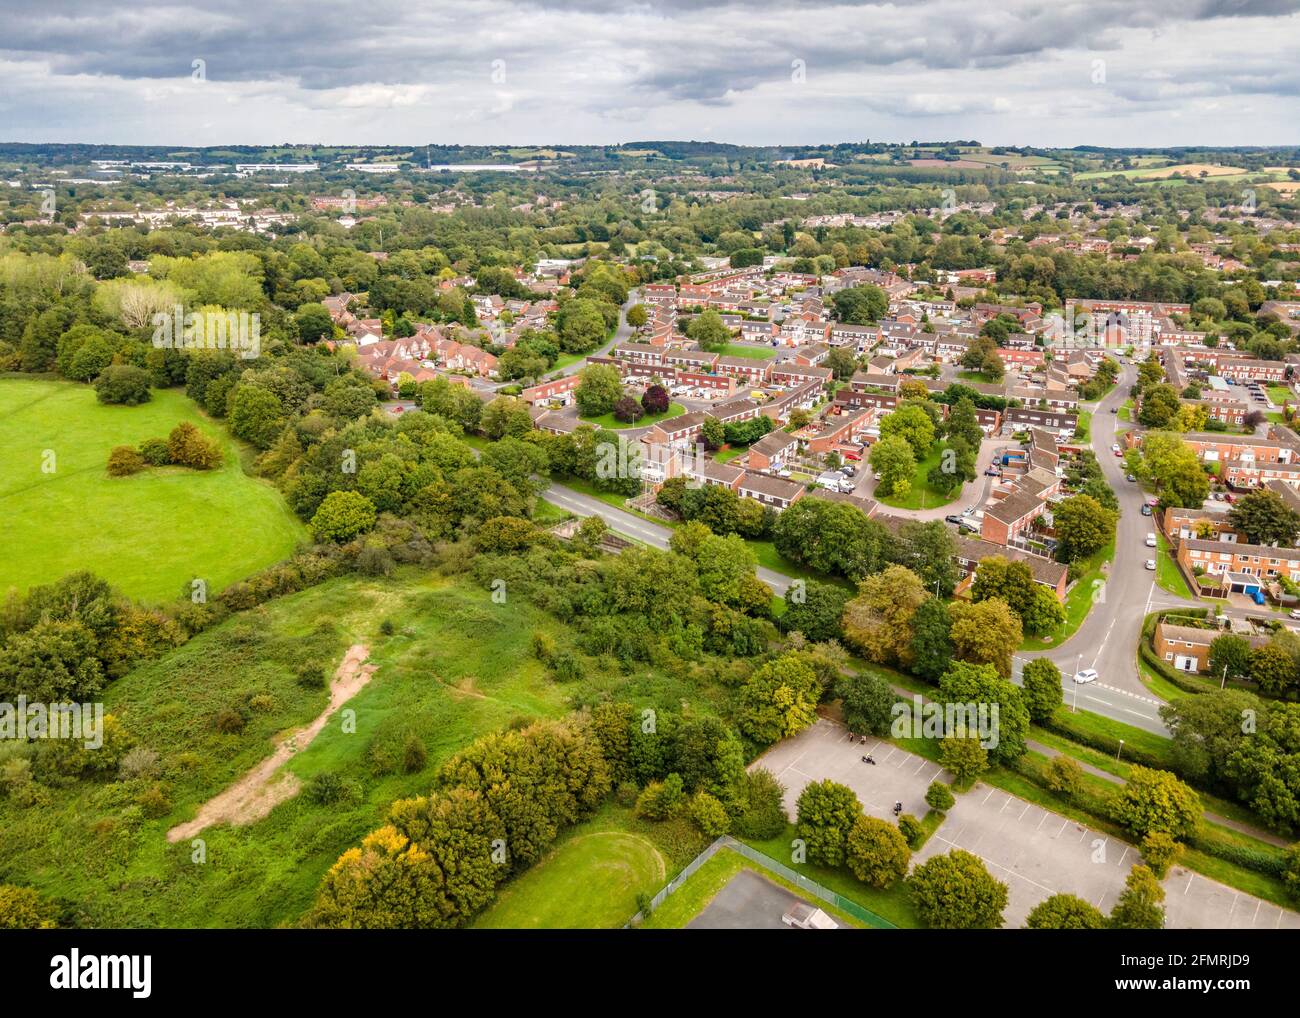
(780, 869)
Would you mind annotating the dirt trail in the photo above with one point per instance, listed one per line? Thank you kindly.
(255, 794)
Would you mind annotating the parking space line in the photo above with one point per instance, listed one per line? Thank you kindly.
(921, 766)
(1044, 820)
(986, 798)
(1023, 812)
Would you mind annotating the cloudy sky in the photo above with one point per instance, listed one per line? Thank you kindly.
(1052, 72)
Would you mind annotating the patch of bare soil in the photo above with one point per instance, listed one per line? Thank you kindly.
(259, 791)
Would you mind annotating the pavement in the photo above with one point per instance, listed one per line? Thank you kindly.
(748, 901)
(1034, 851)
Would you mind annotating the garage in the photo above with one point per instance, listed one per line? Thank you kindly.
(1184, 663)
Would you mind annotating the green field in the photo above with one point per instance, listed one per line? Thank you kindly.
(456, 667)
(149, 534)
(608, 422)
(1168, 575)
(590, 881)
(755, 353)
(921, 495)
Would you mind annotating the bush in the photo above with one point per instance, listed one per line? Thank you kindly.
(762, 813)
(626, 792)
(939, 796)
(123, 385)
(188, 447)
(325, 789)
(153, 802)
(387, 628)
(628, 410)
(1063, 775)
(124, 461)
(660, 800)
(139, 762)
(543, 644)
(709, 815)
(912, 831)
(230, 721)
(414, 755)
(311, 676)
(154, 451)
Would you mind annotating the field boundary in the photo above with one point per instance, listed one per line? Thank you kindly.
(768, 863)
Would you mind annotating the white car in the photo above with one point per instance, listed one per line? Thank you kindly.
(1295, 613)
(1087, 675)
(1115, 449)
(1151, 540)
(1151, 564)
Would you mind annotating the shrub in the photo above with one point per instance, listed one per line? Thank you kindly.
(414, 755)
(543, 644)
(138, 762)
(229, 721)
(154, 451)
(1291, 874)
(124, 461)
(956, 892)
(626, 792)
(660, 800)
(762, 813)
(311, 676)
(628, 410)
(939, 796)
(325, 789)
(567, 667)
(1065, 912)
(827, 812)
(709, 815)
(912, 831)
(1063, 775)
(188, 447)
(153, 802)
(387, 628)
(123, 385)
(263, 702)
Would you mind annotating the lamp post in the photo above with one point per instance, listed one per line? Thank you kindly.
(1119, 751)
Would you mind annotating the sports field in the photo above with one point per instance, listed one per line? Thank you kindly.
(590, 881)
(149, 534)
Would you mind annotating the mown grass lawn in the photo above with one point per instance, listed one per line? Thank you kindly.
(149, 534)
(589, 880)
(1168, 575)
(756, 353)
(1078, 602)
(921, 495)
(611, 423)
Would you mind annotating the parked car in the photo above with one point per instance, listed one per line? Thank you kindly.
(1229, 497)
(1117, 450)
(1151, 564)
(955, 520)
(1130, 477)
(1146, 510)
(992, 472)
(1294, 613)
(1114, 409)
(1151, 540)
(1087, 675)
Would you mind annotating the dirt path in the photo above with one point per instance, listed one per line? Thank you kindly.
(255, 794)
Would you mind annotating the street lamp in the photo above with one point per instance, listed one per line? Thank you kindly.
(1119, 751)
(1224, 681)
(1078, 662)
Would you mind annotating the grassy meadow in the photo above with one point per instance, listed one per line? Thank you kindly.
(149, 534)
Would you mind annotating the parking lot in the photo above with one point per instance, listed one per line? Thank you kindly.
(1034, 851)
(826, 750)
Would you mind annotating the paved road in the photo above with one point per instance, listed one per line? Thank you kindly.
(1108, 638)
(973, 493)
(631, 525)
(621, 335)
